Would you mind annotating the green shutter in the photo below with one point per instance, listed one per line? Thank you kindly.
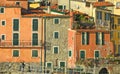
(62, 64)
(83, 40)
(103, 38)
(3, 22)
(60, 7)
(87, 38)
(35, 24)
(49, 65)
(16, 25)
(55, 35)
(96, 54)
(97, 38)
(35, 39)
(34, 53)
(15, 53)
(56, 21)
(15, 39)
(1, 10)
(3, 37)
(82, 54)
(55, 50)
(70, 53)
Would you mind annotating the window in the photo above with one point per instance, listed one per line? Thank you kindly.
(35, 25)
(60, 7)
(62, 64)
(87, 4)
(34, 53)
(97, 54)
(15, 39)
(111, 35)
(49, 64)
(56, 21)
(119, 50)
(56, 35)
(85, 38)
(35, 39)
(99, 15)
(82, 54)
(3, 37)
(3, 23)
(118, 5)
(69, 53)
(17, 3)
(107, 16)
(119, 34)
(1, 10)
(55, 49)
(119, 21)
(15, 24)
(99, 38)
(15, 53)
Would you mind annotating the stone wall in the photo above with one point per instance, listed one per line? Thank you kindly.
(62, 41)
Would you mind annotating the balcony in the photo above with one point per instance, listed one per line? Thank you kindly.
(21, 44)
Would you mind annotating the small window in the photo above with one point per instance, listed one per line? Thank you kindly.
(15, 24)
(49, 64)
(70, 53)
(97, 54)
(17, 3)
(62, 64)
(3, 23)
(1, 10)
(15, 53)
(35, 25)
(119, 21)
(55, 49)
(56, 35)
(87, 4)
(34, 53)
(56, 21)
(3, 37)
(60, 7)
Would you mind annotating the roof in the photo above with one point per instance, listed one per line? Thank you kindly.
(92, 30)
(9, 5)
(43, 15)
(97, 4)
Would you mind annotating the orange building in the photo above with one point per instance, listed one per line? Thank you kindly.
(88, 43)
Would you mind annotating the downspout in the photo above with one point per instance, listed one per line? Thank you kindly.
(44, 43)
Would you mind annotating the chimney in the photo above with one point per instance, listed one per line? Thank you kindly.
(48, 7)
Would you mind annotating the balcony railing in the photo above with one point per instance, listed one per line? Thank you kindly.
(20, 44)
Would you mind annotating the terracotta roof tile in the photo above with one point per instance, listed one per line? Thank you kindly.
(97, 4)
(17, 0)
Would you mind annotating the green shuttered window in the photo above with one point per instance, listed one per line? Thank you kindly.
(34, 53)
(1, 10)
(15, 39)
(56, 21)
(85, 38)
(15, 53)
(82, 54)
(99, 38)
(35, 25)
(56, 50)
(97, 54)
(49, 65)
(62, 64)
(35, 39)
(56, 35)
(15, 24)
(70, 53)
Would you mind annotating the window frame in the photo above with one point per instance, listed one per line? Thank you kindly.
(47, 64)
(80, 54)
(3, 10)
(60, 62)
(95, 55)
(57, 50)
(33, 54)
(18, 53)
(69, 54)
(18, 25)
(54, 34)
(4, 37)
(4, 22)
(33, 24)
(18, 2)
(55, 19)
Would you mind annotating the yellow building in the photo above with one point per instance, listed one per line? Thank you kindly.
(115, 33)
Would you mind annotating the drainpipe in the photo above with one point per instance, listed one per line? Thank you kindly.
(44, 43)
